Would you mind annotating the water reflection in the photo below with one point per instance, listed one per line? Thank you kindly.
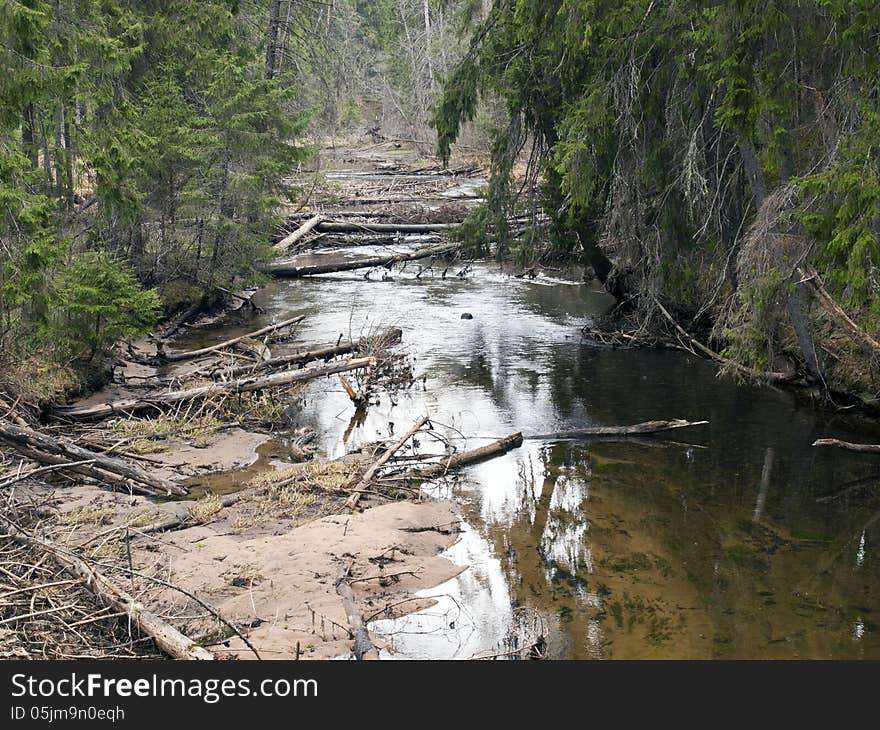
(469, 610)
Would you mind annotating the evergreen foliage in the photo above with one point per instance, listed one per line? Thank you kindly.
(143, 155)
(704, 154)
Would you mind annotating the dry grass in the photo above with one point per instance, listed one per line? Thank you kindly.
(301, 492)
(86, 517)
(324, 476)
(242, 575)
(144, 518)
(35, 377)
(284, 503)
(147, 446)
(166, 425)
(203, 510)
(261, 407)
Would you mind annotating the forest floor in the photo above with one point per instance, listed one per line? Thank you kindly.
(271, 563)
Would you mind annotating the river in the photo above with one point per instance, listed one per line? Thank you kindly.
(732, 540)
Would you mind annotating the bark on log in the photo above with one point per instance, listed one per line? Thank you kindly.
(288, 241)
(363, 647)
(637, 429)
(167, 638)
(861, 448)
(370, 473)
(798, 306)
(247, 385)
(328, 241)
(286, 271)
(19, 437)
(23, 475)
(195, 354)
(490, 451)
(392, 336)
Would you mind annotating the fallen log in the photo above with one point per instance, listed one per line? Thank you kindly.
(598, 431)
(769, 376)
(23, 475)
(814, 281)
(433, 198)
(41, 447)
(861, 448)
(247, 385)
(363, 647)
(456, 461)
(328, 352)
(194, 354)
(364, 483)
(287, 271)
(346, 227)
(327, 241)
(180, 319)
(288, 241)
(87, 469)
(167, 638)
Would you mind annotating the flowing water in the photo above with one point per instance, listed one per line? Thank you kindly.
(734, 540)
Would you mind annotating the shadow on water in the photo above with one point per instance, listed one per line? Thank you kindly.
(735, 540)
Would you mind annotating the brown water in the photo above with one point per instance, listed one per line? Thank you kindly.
(735, 540)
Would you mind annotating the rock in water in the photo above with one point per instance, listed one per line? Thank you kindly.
(467, 315)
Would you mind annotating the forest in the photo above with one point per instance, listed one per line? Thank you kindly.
(266, 262)
(714, 161)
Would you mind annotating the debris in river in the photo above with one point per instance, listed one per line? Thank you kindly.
(156, 402)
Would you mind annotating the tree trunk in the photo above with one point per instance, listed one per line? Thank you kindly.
(427, 10)
(341, 227)
(59, 154)
(363, 647)
(638, 429)
(288, 241)
(754, 173)
(272, 40)
(139, 405)
(194, 354)
(285, 271)
(798, 306)
(368, 476)
(29, 136)
(391, 336)
(18, 436)
(456, 461)
(798, 301)
(68, 159)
